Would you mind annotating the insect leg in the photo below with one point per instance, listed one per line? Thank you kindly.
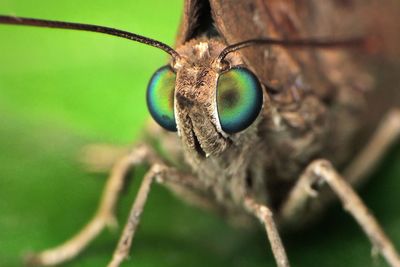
(386, 135)
(264, 214)
(321, 172)
(100, 158)
(298, 202)
(104, 215)
(161, 174)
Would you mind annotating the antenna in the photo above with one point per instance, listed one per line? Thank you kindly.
(90, 28)
(300, 43)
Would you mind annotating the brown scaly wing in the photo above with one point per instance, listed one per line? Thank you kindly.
(335, 75)
(329, 74)
(288, 19)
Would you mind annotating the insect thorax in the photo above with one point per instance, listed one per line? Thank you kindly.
(265, 159)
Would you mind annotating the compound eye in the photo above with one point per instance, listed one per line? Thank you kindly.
(160, 97)
(239, 99)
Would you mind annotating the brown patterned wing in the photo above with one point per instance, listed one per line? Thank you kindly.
(337, 76)
(287, 19)
(324, 71)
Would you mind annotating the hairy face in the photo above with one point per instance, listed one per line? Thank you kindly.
(212, 104)
(209, 102)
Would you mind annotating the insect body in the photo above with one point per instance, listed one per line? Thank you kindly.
(260, 130)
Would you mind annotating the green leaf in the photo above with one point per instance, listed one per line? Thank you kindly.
(61, 90)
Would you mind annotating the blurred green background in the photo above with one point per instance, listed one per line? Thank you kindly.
(60, 90)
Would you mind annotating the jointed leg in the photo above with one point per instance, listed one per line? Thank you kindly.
(303, 194)
(161, 174)
(264, 214)
(104, 215)
(385, 136)
(320, 172)
(100, 158)
(125, 241)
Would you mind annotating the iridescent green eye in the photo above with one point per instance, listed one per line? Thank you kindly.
(239, 99)
(160, 97)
